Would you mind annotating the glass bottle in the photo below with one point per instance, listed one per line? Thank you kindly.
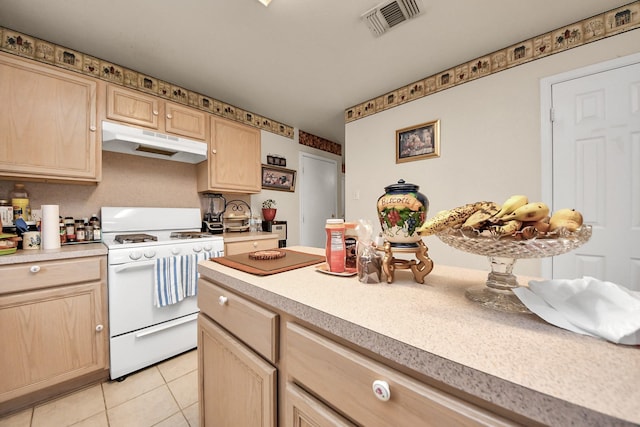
(335, 247)
(95, 223)
(88, 230)
(20, 202)
(80, 231)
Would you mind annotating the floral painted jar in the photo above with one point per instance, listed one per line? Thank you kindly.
(402, 209)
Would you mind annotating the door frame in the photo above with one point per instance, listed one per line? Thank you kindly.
(301, 175)
(546, 127)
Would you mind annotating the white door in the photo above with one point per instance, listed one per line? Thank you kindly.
(596, 170)
(318, 198)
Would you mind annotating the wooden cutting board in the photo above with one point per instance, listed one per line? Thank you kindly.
(290, 261)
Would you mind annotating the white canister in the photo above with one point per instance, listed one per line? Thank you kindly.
(31, 240)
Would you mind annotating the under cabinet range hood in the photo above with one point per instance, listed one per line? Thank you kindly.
(142, 142)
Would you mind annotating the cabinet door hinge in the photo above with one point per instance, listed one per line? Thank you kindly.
(552, 115)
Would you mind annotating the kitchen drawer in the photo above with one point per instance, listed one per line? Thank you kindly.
(344, 379)
(303, 410)
(249, 246)
(252, 324)
(34, 275)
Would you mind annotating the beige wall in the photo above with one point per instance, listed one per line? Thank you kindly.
(288, 203)
(490, 143)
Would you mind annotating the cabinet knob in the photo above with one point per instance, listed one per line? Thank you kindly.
(99, 328)
(34, 268)
(222, 300)
(155, 112)
(214, 151)
(92, 128)
(381, 390)
(255, 244)
(169, 116)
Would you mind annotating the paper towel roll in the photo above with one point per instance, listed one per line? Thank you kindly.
(50, 228)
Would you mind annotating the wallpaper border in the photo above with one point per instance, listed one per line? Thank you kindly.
(595, 28)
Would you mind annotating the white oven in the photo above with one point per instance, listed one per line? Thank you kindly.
(141, 332)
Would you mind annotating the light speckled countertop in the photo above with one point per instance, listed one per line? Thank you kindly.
(65, 252)
(516, 361)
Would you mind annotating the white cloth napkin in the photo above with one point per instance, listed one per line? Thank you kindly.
(587, 306)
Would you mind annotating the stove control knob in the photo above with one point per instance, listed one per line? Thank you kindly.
(197, 249)
(175, 251)
(208, 248)
(135, 255)
(150, 254)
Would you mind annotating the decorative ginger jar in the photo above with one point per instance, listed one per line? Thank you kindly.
(402, 209)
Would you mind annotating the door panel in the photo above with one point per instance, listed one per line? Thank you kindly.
(596, 170)
(319, 181)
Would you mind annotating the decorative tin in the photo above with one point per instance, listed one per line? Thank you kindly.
(402, 210)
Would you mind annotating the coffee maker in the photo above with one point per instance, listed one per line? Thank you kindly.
(212, 222)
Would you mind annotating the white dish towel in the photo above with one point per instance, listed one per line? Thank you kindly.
(587, 306)
(176, 277)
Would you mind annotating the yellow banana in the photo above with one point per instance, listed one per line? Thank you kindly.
(479, 217)
(529, 212)
(450, 218)
(510, 205)
(509, 227)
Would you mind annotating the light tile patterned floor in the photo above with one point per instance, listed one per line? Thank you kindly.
(164, 395)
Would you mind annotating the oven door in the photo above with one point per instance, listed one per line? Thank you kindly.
(131, 299)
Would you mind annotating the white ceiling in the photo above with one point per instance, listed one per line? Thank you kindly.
(300, 62)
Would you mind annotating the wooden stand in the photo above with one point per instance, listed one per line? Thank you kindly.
(419, 269)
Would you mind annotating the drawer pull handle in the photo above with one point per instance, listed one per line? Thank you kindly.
(381, 390)
(99, 328)
(34, 268)
(255, 244)
(222, 300)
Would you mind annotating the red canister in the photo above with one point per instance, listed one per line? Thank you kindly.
(335, 247)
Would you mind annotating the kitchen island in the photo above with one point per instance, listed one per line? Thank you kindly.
(513, 365)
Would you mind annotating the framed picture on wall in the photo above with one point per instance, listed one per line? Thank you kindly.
(277, 178)
(418, 142)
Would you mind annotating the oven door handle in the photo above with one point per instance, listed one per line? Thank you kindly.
(167, 325)
(132, 265)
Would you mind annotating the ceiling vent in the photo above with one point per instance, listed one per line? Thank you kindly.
(387, 15)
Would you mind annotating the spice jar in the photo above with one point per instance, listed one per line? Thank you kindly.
(63, 231)
(80, 231)
(70, 228)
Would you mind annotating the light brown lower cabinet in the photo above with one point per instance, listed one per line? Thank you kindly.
(237, 387)
(320, 382)
(53, 331)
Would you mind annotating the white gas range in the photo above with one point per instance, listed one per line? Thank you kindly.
(153, 252)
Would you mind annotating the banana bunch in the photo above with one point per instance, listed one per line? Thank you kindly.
(516, 217)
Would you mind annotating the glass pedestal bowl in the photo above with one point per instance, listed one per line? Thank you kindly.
(502, 253)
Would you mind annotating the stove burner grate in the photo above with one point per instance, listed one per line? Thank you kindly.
(189, 235)
(135, 238)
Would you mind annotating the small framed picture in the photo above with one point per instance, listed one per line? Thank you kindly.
(277, 178)
(418, 142)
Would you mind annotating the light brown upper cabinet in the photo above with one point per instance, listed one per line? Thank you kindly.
(136, 108)
(48, 123)
(233, 161)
